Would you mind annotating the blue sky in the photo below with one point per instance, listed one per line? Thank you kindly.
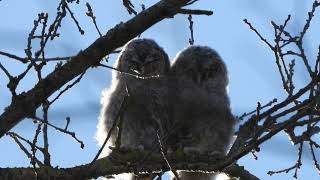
(252, 70)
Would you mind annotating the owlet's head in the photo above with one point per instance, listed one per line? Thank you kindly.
(143, 57)
(202, 65)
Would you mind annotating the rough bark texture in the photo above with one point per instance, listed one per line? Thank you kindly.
(128, 162)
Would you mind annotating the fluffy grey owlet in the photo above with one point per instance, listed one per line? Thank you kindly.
(145, 60)
(201, 112)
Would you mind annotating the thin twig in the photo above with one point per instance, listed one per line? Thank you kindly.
(23, 60)
(72, 134)
(191, 2)
(28, 50)
(296, 166)
(61, 13)
(15, 138)
(34, 150)
(314, 158)
(6, 72)
(129, 6)
(74, 19)
(67, 87)
(254, 111)
(245, 130)
(130, 74)
(24, 140)
(26, 59)
(90, 14)
(114, 125)
(46, 154)
(260, 36)
(173, 170)
(191, 39)
(195, 12)
(279, 55)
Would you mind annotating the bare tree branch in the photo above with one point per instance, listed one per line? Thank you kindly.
(125, 163)
(25, 104)
(195, 12)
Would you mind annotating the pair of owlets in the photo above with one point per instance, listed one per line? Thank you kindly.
(187, 105)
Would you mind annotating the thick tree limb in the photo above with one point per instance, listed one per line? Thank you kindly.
(239, 171)
(125, 162)
(25, 104)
